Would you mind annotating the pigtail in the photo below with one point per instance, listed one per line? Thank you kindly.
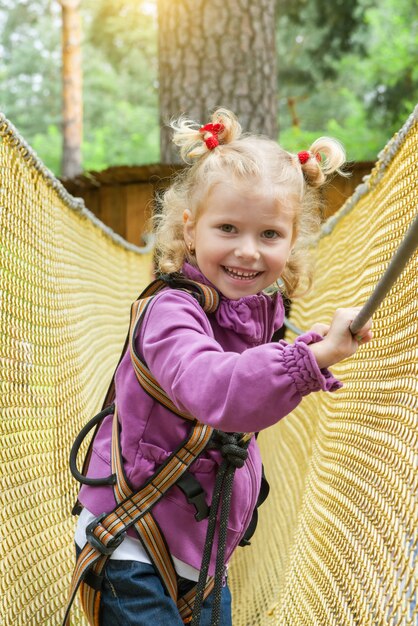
(324, 157)
(197, 141)
(232, 128)
(188, 138)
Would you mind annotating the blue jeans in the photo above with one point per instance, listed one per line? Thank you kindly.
(133, 595)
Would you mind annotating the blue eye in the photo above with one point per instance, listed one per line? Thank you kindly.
(270, 234)
(227, 228)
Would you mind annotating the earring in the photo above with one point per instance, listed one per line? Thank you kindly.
(191, 249)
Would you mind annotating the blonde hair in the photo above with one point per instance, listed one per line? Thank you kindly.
(246, 159)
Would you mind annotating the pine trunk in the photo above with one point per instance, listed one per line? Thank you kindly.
(72, 88)
(217, 53)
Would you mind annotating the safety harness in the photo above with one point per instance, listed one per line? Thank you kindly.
(134, 508)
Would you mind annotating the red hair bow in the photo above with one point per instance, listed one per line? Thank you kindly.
(304, 156)
(213, 131)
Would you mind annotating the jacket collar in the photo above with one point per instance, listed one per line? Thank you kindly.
(255, 317)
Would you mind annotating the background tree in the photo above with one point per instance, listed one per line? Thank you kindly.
(72, 92)
(120, 83)
(346, 69)
(217, 53)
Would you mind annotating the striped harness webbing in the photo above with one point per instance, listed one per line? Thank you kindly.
(133, 508)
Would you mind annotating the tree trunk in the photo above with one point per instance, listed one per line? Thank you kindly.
(217, 53)
(72, 88)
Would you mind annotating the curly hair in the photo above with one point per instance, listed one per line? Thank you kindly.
(249, 159)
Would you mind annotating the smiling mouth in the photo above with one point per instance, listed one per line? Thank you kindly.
(239, 274)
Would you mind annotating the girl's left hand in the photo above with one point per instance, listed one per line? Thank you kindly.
(338, 342)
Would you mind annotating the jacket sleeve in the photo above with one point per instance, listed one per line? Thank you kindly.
(244, 392)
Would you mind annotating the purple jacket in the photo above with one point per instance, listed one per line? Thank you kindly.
(222, 369)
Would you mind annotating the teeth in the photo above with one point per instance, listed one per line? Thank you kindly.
(241, 275)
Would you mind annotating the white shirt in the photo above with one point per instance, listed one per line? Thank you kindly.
(130, 549)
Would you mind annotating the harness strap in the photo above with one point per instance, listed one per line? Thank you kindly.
(107, 531)
(186, 603)
(262, 496)
(208, 299)
(146, 527)
(150, 534)
(143, 374)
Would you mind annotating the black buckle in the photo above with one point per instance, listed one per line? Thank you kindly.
(199, 502)
(195, 494)
(111, 546)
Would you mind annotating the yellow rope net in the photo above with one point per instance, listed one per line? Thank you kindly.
(337, 542)
(66, 288)
(337, 539)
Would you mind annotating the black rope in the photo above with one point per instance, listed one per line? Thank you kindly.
(197, 606)
(220, 557)
(234, 450)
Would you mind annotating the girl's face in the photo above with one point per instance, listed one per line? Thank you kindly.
(242, 239)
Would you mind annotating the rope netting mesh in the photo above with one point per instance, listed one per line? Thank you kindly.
(66, 286)
(337, 539)
(337, 542)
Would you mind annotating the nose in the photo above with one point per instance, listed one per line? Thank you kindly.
(247, 249)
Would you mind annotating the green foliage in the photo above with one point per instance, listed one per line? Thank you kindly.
(391, 65)
(363, 88)
(120, 88)
(126, 136)
(351, 69)
(311, 36)
(48, 147)
(30, 68)
(360, 140)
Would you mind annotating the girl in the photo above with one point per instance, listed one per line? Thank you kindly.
(237, 220)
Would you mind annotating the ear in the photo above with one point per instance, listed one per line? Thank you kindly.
(189, 227)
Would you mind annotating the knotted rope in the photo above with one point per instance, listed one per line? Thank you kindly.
(234, 450)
